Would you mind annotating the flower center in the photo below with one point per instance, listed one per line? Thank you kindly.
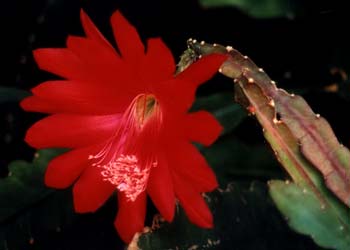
(128, 156)
(146, 105)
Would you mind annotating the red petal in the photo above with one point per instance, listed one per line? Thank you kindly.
(61, 62)
(74, 97)
(186, 161)
(63, 170)
(90, 192)
(202, 127)
(33, 103)
(158, 65)
(91, 30)
(71, 131)
(104, 65)
(160, 189)
(193, 203)
(93, 52)
(202, 70)
(182, 89)
(182, 95)
(129, 43)
(131, 216)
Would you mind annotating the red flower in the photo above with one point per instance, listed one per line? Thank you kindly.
(124, 117)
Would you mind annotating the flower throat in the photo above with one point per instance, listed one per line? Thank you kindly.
(128, 156)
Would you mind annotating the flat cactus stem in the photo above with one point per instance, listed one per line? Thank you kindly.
(307, 216)
(297, 134)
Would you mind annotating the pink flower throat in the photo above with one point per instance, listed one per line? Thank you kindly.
(128, 156)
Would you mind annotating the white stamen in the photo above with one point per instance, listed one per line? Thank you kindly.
(126, 174)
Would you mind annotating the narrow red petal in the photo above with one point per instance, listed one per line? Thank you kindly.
(128, 40)
(103, 64)
(160, 189)
(64, 104)
(193, 203)
(61, 62)
(71, 131)
(131, 216)
(91, 30)
(186, 161)
(202, 127)
(90, 192)
(75, 97)
(63, 170)
(182, 95)
(202, 70)
(92, 52)
(158, 64)
(34, 103)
